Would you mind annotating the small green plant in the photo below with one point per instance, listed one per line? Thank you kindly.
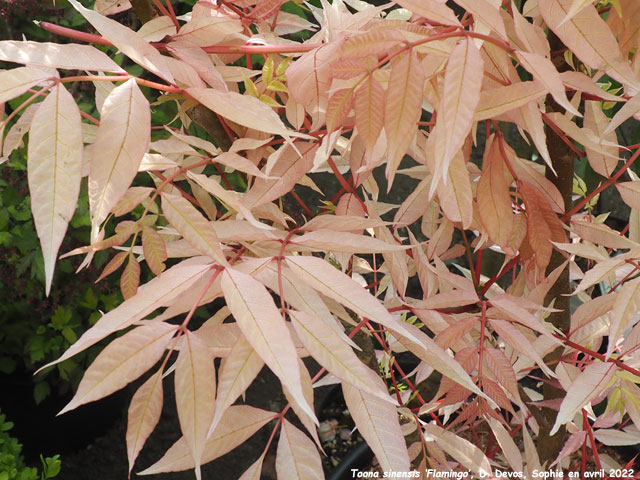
(12, 465)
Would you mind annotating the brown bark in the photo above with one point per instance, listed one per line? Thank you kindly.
(562, 159)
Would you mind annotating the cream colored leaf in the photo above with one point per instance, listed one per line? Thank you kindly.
(338, 108)
(516, 312)
(432, 10)
(297, 458)
(589, 37)
(237, 371)
(263, 326)
(456, 197)
(128, 42)
(368, 105)
(193, 226)
(122, 361)
(600, 234)
(210, 30)
(583, 135)
(54, 171)
(512, 335)
(307, 388)
(596, 121)
(532, 36)
(111, 7)
(300, 296)
(590, 383)
(254, 472)
(157, 28)
(414, 205)
(195, 385)
(625, 309)
(454, 298)
(600, 272)
(19, 129)
(330, 351)
(240, 163)
(466, 453)
(15, 82)
(377, 421)
(430, 352)
(462, 82)
(239, 423)
(229, 197)
(486, 13)
(144, 413)
(192, 55)
(69, 56)
(309, 77)
(583, 83)
(628, 110)
(613, 437)
(576, 6)
(546, 73)
(341, 223)
(152, 295)
(122, 140)
(288, 170)
(630, 193)
(395, 261)
(244, 110)
(509, 448)
(497, 101)
(344, 242)
(403, 107)
(533, 124)
(333, 283)
(372, 42)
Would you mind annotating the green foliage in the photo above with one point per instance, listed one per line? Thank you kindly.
(12, 465)
(34, 329)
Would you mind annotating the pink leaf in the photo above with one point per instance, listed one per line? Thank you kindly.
(333, 283)
(431, 10)
(590, 383)
(297, 458)
(465, 452)
(193, 226)
(330, 351)
(15, 82)
(263, 326)
(69, 56)
(127, 41)
(122, 361)
(54, 171)
(152, 295)
(122, 140)
(237, 371)
(239, 423)
(144, 413)
(195, 385)
(377, 421)
(578, 34)
(403, 106)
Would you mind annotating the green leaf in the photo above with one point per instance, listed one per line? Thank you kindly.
(41, 391)
(267, 70)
